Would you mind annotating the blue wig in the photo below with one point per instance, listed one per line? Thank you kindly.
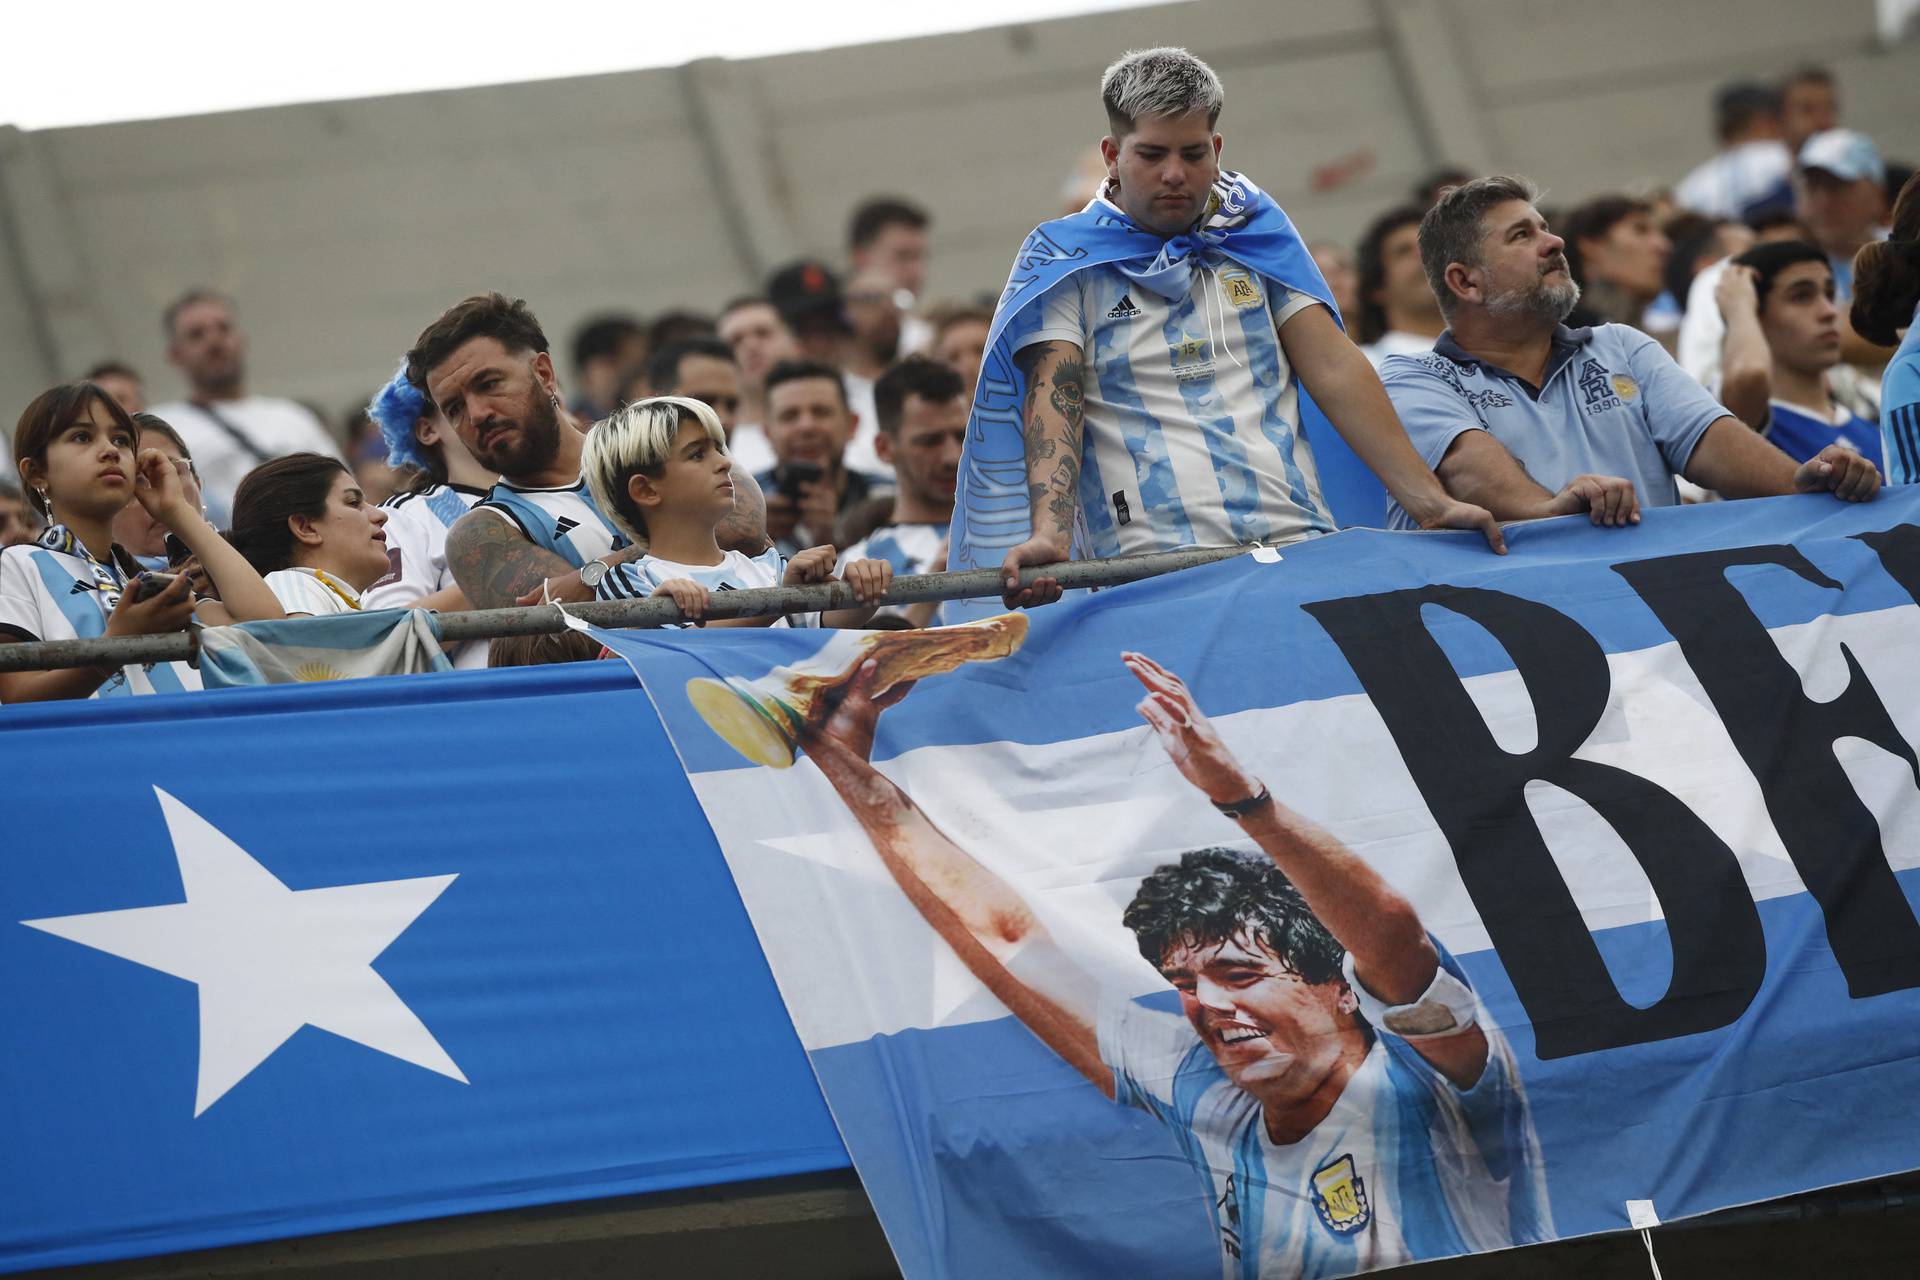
(396, 407)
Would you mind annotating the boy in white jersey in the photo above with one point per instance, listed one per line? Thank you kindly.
(1331, 1081)
(660, 468)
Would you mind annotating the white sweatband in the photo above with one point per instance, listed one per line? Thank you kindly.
(1447, 1007)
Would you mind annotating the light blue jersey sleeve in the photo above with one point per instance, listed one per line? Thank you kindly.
(1900, 410)
(1493, 1141)
(1433, 406)
(1678, 409)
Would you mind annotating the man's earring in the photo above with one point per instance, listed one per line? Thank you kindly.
(556, 399)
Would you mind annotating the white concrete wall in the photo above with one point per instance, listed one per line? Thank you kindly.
(343, 228)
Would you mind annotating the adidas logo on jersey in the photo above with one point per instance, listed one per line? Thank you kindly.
(562, 525)
(1124, 309)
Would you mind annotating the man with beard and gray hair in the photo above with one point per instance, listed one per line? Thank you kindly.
(1519, 414)
(485, 367)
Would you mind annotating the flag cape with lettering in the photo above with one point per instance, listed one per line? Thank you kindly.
(1651, 794)
(991, 512)
(546, 1018)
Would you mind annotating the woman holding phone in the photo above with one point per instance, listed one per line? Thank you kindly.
(78, 453)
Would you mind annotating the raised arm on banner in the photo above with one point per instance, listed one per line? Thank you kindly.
(1051, 419)
(1392, 955)
(988, 925)
(1344, 385)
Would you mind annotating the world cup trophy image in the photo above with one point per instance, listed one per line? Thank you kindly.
(765, 719)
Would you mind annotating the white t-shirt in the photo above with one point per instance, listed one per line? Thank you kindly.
(737, 571)
(750, 449)
(276, 428)
(53, 590)
(1191, 415)
(1727, 185)
(416, 531)
(312, 591)
(861, 454)
(1396, 342)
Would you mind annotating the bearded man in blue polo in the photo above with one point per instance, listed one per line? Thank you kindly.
(1142, 381)
(1521, 415)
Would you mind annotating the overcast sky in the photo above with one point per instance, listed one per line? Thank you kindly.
(102, 60)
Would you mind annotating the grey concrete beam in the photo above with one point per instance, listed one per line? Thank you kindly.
(1423, 38)
(37, 232)
(751, 193)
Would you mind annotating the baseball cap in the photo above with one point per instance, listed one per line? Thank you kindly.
(1844, 153)
(805, 290)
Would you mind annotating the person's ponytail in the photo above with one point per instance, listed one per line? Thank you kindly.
(1886, 275)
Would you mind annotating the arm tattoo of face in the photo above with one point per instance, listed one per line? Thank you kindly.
(493, 563)
(1053, 433)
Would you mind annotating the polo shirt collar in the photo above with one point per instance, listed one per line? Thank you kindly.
(1565, 343)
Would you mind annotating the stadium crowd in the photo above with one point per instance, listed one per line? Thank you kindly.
(1488, 357)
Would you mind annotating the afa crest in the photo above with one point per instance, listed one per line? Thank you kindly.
(1340, 1197)
(1242, 291)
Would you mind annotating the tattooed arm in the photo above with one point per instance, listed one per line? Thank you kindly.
(494, 563)
(1052, 419)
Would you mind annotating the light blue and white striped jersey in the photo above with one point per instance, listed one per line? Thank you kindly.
(1900, 409)
(565, 520)
(416, 529)
(1405, 1166)
(909, 548)
(53, 590)
(737, 571)
(1191, 414)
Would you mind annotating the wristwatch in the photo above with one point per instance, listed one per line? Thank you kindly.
(592, 573)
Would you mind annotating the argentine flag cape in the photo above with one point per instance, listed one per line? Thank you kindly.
(343, 646)
(1242, 224)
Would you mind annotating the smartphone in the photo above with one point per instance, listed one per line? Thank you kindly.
(149, 585)
(790, 477)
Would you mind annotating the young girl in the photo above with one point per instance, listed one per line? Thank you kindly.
(660, 469)
(78, 452)
(446, 482)
(302, 521)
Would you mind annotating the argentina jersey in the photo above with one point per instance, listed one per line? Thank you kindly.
(1191, 413)
(1801, 433)
(416, 531)
(52, 590)
(565, 520)
(737, 571)
(1405, 1166)
(909, 548)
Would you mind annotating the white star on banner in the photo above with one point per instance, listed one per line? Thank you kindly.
(268, 959)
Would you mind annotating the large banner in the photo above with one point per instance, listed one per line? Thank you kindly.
(296, 959)
(1374, 901)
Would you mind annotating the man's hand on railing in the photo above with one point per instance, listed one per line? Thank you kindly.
(1042, 549)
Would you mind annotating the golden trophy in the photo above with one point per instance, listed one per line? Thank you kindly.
(764, 719)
